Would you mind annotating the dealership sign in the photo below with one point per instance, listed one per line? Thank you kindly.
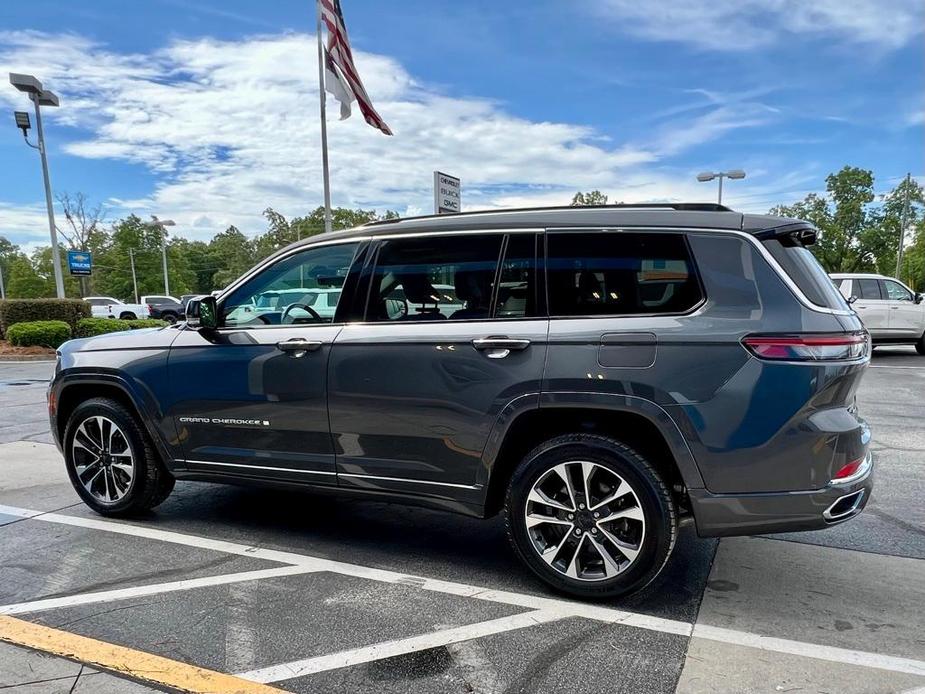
(446, 194)
(79, 262)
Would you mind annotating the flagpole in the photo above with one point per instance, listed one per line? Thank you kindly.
(324, 125)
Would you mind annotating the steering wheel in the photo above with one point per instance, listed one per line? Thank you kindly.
(308, 309)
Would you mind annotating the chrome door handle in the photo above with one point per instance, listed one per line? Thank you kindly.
(499, 347)
(894, 308)
(297, 347)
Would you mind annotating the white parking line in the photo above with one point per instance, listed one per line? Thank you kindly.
(817, 651)
(389, 649)
(557, 606)
(153, 589)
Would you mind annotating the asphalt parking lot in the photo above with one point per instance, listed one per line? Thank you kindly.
(315, 594)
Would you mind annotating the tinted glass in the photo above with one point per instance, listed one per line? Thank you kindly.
(619, 274)
(159, 300)
(517, 287)
(806, 272)
(287, 292)
(867, 289)
(435, 278)
(897, 292)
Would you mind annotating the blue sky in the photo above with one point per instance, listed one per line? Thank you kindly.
(206, 111)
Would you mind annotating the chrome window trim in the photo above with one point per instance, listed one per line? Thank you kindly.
(750, 238)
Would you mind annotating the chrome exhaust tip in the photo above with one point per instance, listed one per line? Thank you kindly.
(844, 507)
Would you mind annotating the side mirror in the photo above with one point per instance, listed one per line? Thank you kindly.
(851, 300)
(919, 298)
(202, 313)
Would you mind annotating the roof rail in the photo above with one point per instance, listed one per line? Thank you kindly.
(680, 206)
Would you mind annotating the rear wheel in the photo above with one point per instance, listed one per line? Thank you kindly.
(127, 316)
(169, 318)
(590, 516)
(111, 462)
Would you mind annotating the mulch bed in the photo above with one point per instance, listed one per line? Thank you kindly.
(8, 350)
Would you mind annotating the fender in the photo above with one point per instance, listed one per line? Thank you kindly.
(138, 394)
(594, 400)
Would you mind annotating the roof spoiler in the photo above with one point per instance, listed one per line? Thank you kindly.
(798, 234)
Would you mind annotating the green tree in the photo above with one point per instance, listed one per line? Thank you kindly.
(233, 253)
(595, 197)
(847, 228)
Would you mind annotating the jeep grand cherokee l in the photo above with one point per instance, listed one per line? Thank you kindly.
(599, 375)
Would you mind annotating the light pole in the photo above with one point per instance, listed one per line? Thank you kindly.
(131, 258)
(710, 175)
(41, 97)
(161, 224)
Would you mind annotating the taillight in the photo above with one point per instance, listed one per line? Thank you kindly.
(848, 470)
(809, 347)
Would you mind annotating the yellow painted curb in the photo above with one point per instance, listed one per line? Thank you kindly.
(126, 661)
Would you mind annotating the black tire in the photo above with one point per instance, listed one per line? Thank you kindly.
(151, 482)
(920, 345)
(128, 315)
(654, 499)
(169, 318)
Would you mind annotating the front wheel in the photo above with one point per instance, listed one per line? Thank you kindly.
(111, 462)
(127, 316)
(590, 516)
(920, 345)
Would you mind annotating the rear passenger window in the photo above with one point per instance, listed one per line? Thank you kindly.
(867, 289)
(619, 273)
(435, 278)
(516, 296)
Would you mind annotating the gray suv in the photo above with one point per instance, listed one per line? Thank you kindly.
(600, 375)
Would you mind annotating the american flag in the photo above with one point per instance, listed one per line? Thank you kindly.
(340, 66)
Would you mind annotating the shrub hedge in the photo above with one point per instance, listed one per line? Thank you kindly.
(14, 311)
(88, 327)
(40, 333)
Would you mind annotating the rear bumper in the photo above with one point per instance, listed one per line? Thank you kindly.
(721, 515)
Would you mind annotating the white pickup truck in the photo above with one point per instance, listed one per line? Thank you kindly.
(891, 312)
(107, 307)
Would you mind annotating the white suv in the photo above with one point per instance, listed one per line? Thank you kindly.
(891, 312)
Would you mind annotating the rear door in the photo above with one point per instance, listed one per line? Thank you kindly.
(906, 317)
(447, 340)
(871, 305)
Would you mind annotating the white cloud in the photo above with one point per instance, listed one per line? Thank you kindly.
(229, 128)
(735, 25)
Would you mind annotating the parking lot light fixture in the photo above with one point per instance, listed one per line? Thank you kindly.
(23, 122)
(705, 176)
(40, 96)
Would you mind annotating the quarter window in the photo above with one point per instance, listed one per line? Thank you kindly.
(435, 278)
(897, 292)
(616, 273)
(294, 290)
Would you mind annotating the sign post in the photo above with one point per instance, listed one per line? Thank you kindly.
(447, 199)
(80, 263)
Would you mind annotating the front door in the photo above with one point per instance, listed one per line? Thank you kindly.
(250, 397)
(447, 341)
(905, 314)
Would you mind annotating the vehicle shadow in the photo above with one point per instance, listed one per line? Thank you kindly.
(409, 540)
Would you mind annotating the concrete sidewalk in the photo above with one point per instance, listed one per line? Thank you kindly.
(24, 671)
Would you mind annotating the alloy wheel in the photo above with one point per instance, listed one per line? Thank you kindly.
(585, 521)
(103, 459)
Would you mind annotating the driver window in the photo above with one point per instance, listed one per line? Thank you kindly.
(302, 289)
(897, 292)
